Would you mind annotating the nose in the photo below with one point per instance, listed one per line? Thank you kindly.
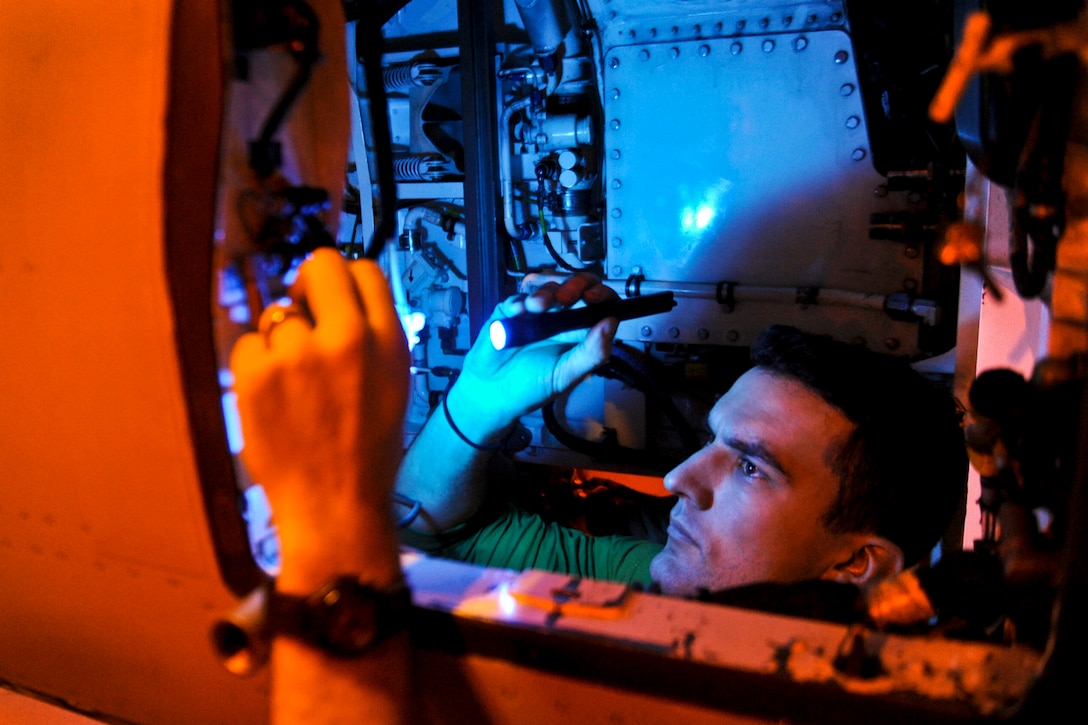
(689, 479)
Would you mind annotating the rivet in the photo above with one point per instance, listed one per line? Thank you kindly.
(617, 272)
(675, 30)
(631, 33)
(613, 62)
(911, 251)
(674, 332)
(853, 122)
(704, 50)
(636, 270)
(787, 21)
(914, 197)
(765, 23)
(717, 27)
(740, 25)
(892, 343)
(698, 30)
(644, 54)
(846, 89)
(800, 43)
(674, 52)
(736, 48)
(614, 124)
(910, 284)
(617, 242)
(841, 57)
(653, 32)
(880, 191)
(703, 333)
(768, 45)
(616, 183)
(858, 154)
(646, 330)
(835, 17)
(617, 213)
(615, 154)
(732, 336)
(614, 93)
(811, 19)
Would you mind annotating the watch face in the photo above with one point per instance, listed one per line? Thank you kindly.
(349, 614)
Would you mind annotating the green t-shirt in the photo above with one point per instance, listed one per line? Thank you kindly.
(516, 539)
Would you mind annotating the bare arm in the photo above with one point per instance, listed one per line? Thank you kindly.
(495, 388)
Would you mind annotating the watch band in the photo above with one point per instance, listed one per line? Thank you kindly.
(343, 617)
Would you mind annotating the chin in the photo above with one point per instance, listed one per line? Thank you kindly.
(670, 575)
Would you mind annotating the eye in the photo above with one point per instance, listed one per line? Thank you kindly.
(748, 469)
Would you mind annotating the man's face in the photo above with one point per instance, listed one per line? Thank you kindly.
(752, 499)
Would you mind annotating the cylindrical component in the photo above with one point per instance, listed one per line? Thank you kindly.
(566, 130)
(546, 22)
(443, 306)
(531, 327)
(568, 159)
(576, 202)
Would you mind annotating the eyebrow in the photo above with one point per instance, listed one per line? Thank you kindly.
(755, 449)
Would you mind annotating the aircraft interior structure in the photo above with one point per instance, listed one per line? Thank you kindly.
(907, 176)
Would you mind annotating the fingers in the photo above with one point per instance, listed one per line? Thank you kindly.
(327, 288)
(580, 286)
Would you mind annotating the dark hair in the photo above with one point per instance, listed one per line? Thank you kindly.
(903, 470)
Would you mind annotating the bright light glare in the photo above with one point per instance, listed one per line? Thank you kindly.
(413, 323)
(497, 332)
(697, 217)
(507, 604)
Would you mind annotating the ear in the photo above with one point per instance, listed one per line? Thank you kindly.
(873, 559)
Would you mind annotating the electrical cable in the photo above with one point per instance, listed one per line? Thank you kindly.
(368, 53)
(623, 366)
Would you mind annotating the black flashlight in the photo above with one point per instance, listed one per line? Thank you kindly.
(530, 327)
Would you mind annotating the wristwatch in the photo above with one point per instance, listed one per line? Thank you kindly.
(344, 617)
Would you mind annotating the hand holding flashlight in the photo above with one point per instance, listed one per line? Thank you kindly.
(527, 327)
